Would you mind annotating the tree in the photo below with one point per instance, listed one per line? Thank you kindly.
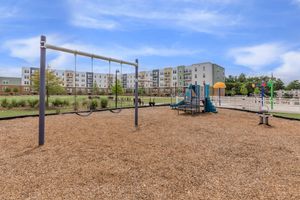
(7, 90)
(278, 84)
(233, 92)
(242, 77)
(96, 89)
(15, 90)
(294, 85)
(256, 91)
(117, 88)
(53, 84)
(244, 90)
(141, 91)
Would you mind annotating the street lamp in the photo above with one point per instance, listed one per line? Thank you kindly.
(116, 85)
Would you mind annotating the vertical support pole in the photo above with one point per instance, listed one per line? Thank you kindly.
(219, 96)
(262, 96)
(272, 95)
(136, 96)
(42, 91)
(116, 85)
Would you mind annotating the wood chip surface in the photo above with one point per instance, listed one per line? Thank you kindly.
(208, 156)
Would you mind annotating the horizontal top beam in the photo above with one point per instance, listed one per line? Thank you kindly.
(49, 46)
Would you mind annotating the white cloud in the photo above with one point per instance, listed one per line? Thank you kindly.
(290, 68)
(88, 22)
(64, 60)
(27, 49)
(257, 57)
(113, 14)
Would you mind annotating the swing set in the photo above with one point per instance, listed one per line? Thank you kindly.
(42, 90)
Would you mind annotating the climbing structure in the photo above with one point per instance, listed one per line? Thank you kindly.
(208, 105)
(193, 99)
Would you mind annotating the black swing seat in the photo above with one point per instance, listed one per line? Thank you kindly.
(151, 103)
(117, 110)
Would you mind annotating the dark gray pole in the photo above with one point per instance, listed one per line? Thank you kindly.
(42, 91)
(219, 96)
(136, 96)
(116, 85)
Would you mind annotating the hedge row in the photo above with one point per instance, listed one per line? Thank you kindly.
(56, 103)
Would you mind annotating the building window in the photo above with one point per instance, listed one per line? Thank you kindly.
(195, 69)
(5, 82)
(203, 75)
(195, 75)
(203, 68)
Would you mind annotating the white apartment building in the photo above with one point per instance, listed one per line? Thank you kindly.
(174, 77)
(181, 76)
(161, 78)
(27, 73)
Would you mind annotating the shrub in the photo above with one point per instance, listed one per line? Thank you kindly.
(57, 103)
(7, 90)
(104, 102)
(15, 90)
(94, 104)
(85, 102)
(66, 103)
(22, 103)
(75, 105)
(4, 103)
(14, 103)
(33, 102)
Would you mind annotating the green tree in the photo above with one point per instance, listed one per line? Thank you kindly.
(294, 85)
(242, 78)
(7, 90)
(233, 92)
(117, 88)
(96, 89)
(53, 84)
(256, 91)
(141, 91)
(244, 90)
(15, 90)
(278, 84)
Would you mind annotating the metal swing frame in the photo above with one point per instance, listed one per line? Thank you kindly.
(42, 92)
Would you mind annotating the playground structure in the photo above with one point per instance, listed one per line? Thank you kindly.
(193, 99)
(42, 89)
(264, 112)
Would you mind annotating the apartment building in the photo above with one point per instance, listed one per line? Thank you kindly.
(169, 77)
(155, 78)
(180, 76)
(161, 78)
(13, 83)
(27, 73)
(168, 74)
(187, 76)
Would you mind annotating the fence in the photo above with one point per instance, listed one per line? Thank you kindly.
(254, 103)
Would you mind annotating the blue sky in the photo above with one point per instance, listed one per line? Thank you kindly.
(255, 37)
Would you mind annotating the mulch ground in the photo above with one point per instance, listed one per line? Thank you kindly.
(208, 156)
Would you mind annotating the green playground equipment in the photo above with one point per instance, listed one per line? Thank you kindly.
(208, 105)
(192, 100)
